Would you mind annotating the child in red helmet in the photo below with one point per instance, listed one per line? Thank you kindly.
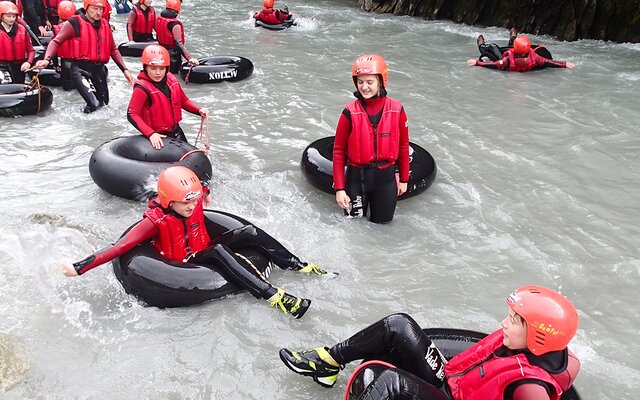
(372, 136)
(272, 16)
(175, 224)
(527, 358)
(16, 51)
(170, 32)
(141, 22)
(155, 108)
(521, 58)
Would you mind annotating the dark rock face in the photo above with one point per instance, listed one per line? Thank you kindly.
(616, 20)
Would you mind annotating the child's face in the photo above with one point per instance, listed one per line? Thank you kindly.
(514, 330)
(184, 208)
(156, 73)
(368, 85)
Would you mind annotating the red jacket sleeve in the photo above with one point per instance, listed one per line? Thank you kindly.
(187, 104)
(31, 53)
(130, 22)
(403, 154)
(66, 33)
(545, 62)
(140, 233)
(138, 101)
(503, 63)
(340, 151)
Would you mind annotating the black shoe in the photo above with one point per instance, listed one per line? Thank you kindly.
(289, 304)
(513, 34)
(480, 40)
(312, 363)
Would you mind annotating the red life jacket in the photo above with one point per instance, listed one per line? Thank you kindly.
(164, 35)
(521, 64)
(91, 45)
(51, 7)
(177, 237)
(164, 113)
(14, 50)
(368, 144)
(144, 23)
(268, 16)
(477, 374)
(64, 50)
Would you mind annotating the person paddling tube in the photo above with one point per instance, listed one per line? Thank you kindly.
(450, 342)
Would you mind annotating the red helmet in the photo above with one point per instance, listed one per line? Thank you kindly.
(7, 7)
(66, 9)
(95, 3)
(370, 64)
(521, 45)
(157, 55)
(267, 3)
(178, 184)
(173, 5)
(551, 319)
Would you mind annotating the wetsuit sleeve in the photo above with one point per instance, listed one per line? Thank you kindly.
(187, 104)
(134, 112)
(403, 155)
(545, 62)
(143, 231)
(343, 130)
(66, 33)
(130, 22)
(530, 391)
(116, 56)
(176, 31)
(503, 63)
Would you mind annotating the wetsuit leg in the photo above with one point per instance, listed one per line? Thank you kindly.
(396, 384)
(399, 339)
(354, 187)
(17, 76)
(99, 79)
(254, 237)
(222, 259)
(82, 82)
(178, 133)
(383, 196)
(176, 60)
(65, 74)
(490, 51)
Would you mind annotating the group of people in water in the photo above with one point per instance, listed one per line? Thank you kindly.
(527, 358)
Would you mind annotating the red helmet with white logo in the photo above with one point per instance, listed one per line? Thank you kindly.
(156, 55)
(178, 184)
(370, 64)
(551, 319)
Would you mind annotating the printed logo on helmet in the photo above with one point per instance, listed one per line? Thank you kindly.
(191, 196)
(363, 71)
(513, 298)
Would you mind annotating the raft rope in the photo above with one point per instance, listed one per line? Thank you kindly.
(252, 265)
(360, 368)
(206, 143)
(186, 78)
(35, 83)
